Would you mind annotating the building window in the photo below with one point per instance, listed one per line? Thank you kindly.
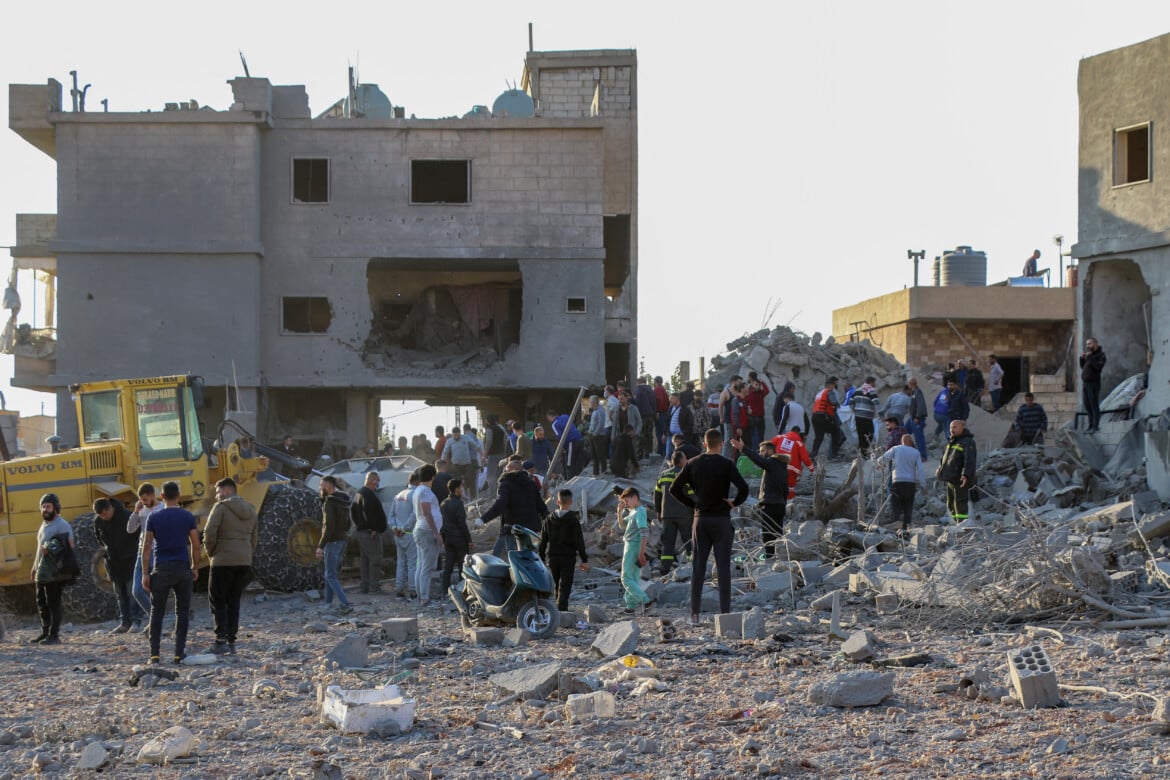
(310, 181)
(1131, 155)
(575, 305)
(440, 181)
(305, 315)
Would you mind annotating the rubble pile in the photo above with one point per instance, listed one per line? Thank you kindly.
(781, 355)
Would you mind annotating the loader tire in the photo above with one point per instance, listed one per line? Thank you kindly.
(91, 596)
(290, 528)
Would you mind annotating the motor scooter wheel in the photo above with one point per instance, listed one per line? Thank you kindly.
(539, 617)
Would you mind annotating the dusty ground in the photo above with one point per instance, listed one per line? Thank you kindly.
(731, 708)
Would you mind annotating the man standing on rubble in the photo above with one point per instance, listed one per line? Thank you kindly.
(773, 495)
(788, 415)
(906, 476)
(1092, 362)
(757, 391)
(995, 382)
(647, 403)
(957, 406)
(710, 477)
(463, 455)
(916, 422)
(957, 470)
(1031, 421)
(825, 420)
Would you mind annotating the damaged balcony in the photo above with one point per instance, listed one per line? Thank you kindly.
(30, 335)
(440, 314)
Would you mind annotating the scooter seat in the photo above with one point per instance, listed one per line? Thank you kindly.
(489, 566)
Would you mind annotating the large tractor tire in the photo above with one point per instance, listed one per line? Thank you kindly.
(91, 597)
(290, 528)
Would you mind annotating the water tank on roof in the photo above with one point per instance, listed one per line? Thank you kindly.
(371, 102)
(963, 267)
(934, 272)
(514, 103)
(478, 112)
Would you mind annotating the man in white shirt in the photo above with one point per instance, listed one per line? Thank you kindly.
(427, 526)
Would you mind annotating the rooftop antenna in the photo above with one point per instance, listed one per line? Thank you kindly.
(244, 62)
(106, 105)
(73, 92)
(530, 49)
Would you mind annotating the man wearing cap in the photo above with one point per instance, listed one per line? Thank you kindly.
(53, 534)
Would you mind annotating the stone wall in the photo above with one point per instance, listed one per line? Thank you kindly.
(937, 343)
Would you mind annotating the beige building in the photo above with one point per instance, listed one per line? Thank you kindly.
(1028, 328)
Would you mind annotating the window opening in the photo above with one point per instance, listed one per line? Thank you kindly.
(311, 181)
(306, 315)
(440, 181)
(1131, 155)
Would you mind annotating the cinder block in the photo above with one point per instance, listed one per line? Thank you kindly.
(1033, 677)
(729, 625)
(400, 629)
(485, 636)
(1124, 581)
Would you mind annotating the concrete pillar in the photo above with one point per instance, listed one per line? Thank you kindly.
(359, 419)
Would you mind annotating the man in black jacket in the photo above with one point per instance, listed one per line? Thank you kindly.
(456, 535)
(957, 406)
(518, 503)
(710, 477)
(773, 491)
(957, 470)
(1092, 362)
(561, 541)
(369, 521)
(121, 550)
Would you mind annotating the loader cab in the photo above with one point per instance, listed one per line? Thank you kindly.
(144, 430)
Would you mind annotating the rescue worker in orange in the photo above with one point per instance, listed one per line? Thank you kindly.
(825, 419)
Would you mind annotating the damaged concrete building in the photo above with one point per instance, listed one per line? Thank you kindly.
(324, 264)
(1124, 226)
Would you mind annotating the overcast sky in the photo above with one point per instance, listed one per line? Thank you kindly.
(789, 151)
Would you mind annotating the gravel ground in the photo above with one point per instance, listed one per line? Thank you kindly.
(729, 709)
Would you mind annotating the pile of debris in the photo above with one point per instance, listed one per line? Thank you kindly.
(782, 354)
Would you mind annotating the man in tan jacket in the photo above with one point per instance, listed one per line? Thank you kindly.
(230, 540)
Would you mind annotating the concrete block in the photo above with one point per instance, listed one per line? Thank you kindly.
(595, 615)
(1033, 677)
(862, 582)
(813, 572)
(598, 704)
(1124, 581)
(754, 624)
(1155, 525)
(729, 625)
(485, 637)
(530, 682)
(887, 603)
(569, 619)
(516, 637)
(838, 575)
(856, 689)
(400, 629)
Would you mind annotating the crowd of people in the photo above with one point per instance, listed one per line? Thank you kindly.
(707, 441)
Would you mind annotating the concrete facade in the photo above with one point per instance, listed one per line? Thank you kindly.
(1123, 216)
(184, 234)
(1029, 328)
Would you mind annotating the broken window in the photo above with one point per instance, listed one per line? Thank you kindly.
(452, 313)
(1131, 155)
(310, 181)
(616, 235)
(575, 305)
(440, 181)
(305, 315)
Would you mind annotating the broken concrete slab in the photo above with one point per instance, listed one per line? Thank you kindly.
(754, 624)
(1155, 525)
(351, 652)
(853, 689)
(569, 619)
(616, 639)
(595, 615)
(529, 682)
(825, 603)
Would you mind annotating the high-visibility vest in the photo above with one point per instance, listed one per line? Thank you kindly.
(822, 404)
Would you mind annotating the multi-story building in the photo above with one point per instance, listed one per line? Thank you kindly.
(1124, 227)
(323, 264)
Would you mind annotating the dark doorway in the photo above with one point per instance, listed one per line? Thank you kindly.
(617, 362)
(1016, 377)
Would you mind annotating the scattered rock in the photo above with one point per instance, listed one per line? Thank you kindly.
(616, 639)
(94, 756)
(352, 652)
(853, 689)
(529, 682)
